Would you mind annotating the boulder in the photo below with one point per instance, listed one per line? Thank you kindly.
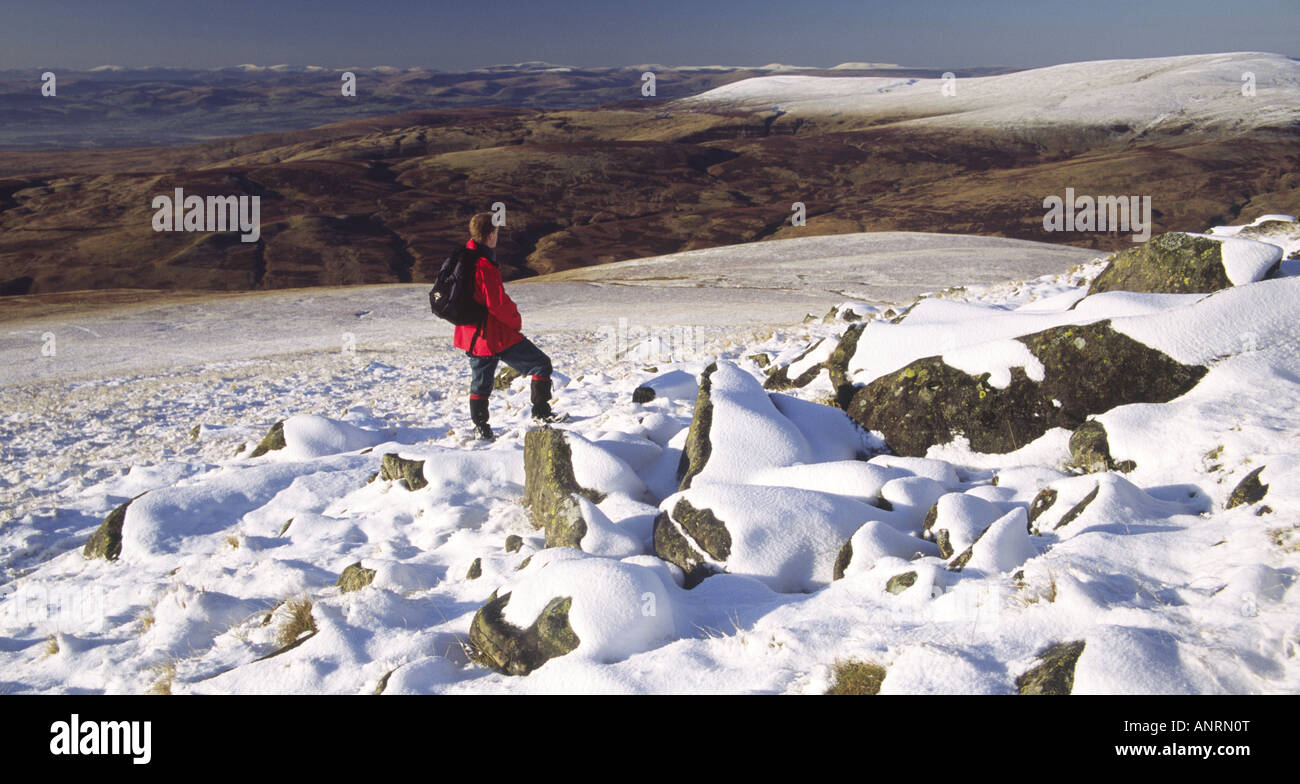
(737, 430)
(273, 440)
(1173, 263)
(106, 542)
(1087, 369)
(1054, 674)
(508, 649)
(475, 570)
(399, 469)
(550, 490)
(355, 577)
(513, 543)
(789, 539)
(697, 533)
(566, 599)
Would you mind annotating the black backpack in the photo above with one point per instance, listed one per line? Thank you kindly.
(452, 295)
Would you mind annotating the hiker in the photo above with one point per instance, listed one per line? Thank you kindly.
(498, 338)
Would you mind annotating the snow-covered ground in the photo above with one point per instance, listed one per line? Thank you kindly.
(1208, 90)
(1171, 591)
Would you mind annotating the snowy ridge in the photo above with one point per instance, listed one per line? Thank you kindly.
(1144, 94)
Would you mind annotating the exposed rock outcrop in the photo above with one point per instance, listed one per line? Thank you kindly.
(1088, 369)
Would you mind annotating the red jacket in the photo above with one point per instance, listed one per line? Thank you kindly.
(501, 331)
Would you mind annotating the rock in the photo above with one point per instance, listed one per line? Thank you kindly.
(550, 489)
(838, 364)
(355, 577)
(513, 543)
(395, 468)
(757, 435)
(475, 570)
(1041, 503)
(1077, 509)
(1000, 547)
(1248, 491)
(511, 650)
(856, 677)
(762, 360)
(1090, 450)
(273, 440)
(779, 378)
(1173, 263)
(1055, 672)
(703, 529)
(696, 450)
(787, 538)
(1088, 369)
(106, 542)
(900, 582)
(504, 378)
(643, 395)
(843, 560)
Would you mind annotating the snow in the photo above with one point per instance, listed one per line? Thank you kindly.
(1147, 95)
(618, 608)
(785, 537)
(748, 434)
(1171, 591)
(1245, 261)
(996, 358)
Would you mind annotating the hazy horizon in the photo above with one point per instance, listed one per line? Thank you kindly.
(459, 36)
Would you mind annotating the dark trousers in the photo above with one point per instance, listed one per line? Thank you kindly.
(523, 356)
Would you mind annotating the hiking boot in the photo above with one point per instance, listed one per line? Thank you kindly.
(541, 398)
(478, 414)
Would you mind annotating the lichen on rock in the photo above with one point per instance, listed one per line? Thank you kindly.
(411, 472)
(550, 489)
(699, 531)
(1088, 369)
(1173, 263)
(506, 648)
(1054, 674)
(273, 440)
(106, 542)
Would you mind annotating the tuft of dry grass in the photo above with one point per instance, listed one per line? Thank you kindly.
(233, 541)
(298, 622)
(849, 676)
(163, 683)
(1036, 594)
(51, 646)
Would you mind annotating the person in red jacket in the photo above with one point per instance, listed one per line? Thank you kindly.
(498, 338)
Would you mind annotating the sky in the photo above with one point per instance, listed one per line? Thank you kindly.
(456, 35)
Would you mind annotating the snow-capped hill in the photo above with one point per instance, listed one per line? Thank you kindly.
(1169, 92)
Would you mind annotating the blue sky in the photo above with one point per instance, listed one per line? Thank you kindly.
(455, 34)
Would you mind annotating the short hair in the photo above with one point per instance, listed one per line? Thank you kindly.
(480, 227)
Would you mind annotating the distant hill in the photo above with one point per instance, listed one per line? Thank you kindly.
(383, 199)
